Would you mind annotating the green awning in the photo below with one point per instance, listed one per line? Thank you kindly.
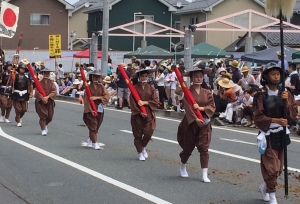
(150, 52)
(205, 50)
(296, 55)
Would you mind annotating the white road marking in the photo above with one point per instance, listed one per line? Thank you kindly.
(215, 151)
(238, 141)
(91, 172)
(176, 120)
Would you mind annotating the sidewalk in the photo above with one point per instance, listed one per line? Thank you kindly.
(179, 116)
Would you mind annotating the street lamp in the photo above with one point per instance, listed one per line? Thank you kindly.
(73, 34)
(134, 14)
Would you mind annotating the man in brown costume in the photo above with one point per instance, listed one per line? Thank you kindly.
(193, 132)
(268, 117)
(143, 126)
(5, 92)
(21, 93)
(100, 96)
(44, 106)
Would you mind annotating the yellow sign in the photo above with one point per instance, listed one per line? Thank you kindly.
(55, 45)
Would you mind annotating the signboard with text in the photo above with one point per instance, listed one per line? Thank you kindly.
(55, 46)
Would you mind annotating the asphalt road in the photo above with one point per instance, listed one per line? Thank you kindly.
(57, 169)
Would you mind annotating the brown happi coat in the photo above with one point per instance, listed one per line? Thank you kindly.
(45, 111)
(190, 134)
(272, 160)
(93, 123)
(143, 125)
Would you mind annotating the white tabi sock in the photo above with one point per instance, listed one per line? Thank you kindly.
(183, 172)
(204, 176)
(273, 199)
(141, 157)
(144, 152)
(262, 190)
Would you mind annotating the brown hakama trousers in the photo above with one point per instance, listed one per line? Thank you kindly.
(45, 112)
(20, 109)
(6, 105)
(271, 166)
(142, 129)
(93, 123)
(191, 136)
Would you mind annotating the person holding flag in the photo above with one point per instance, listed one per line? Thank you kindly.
(269, 106)
(192, 131)
(143, 125)
(99, 97)
(44, 105)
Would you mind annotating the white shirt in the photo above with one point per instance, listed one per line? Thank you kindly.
(160, 80)
(60, 72)
(247, 102)
(57, 88)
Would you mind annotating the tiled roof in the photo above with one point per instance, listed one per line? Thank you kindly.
(97, 6)
(289, 38)
(202, 5)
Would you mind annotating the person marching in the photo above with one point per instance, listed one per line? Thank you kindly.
(44, 106)
(100, 96)
(268, 117)
(5, 92)
(142, 125)
(21, 93)
(192, 131)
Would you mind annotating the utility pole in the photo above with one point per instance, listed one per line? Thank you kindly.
(188, 44)
(105, 26)
(94, 50)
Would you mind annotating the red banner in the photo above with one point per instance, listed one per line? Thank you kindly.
(35, 79)
(187, 94)
(132, 89)
(88, 92)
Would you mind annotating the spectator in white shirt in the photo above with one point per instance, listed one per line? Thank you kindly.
(170, 83)
(160, 81)
(247, 78)
(59, 70)
(248, 111)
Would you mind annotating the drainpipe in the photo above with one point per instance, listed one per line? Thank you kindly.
(69, 15)
(171, 31)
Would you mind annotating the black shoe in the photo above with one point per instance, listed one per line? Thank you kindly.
(119, 107)
(128, 107)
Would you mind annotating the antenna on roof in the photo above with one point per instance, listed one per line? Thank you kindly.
(179, 4)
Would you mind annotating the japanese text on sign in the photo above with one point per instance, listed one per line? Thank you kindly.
(55, 45)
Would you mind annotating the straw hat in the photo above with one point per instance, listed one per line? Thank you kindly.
(200, 67)
(234, 64)
(236, 88)
(107, 80)
(245, 69)
(76, 82)
(225, 83)
(279, 53)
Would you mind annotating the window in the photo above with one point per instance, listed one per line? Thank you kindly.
(148, 17)
(39, 19)
(194, 20)
(176, 25)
